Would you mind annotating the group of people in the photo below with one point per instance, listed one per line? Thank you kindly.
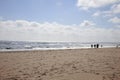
(95, 46)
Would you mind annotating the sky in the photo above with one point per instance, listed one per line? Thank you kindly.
(60, 20)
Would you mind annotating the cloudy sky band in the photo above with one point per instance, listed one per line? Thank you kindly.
(59, 20)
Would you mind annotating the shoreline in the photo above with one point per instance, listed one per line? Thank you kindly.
(50, 49)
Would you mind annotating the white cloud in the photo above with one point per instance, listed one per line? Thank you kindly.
(34, 31)
(114, 9)
(115, 20)
(98, 13)
(87, 23)
(85, 4)
(117, 26)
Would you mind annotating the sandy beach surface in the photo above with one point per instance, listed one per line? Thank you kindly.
(74, 64)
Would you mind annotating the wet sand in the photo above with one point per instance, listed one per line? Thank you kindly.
(76, 64)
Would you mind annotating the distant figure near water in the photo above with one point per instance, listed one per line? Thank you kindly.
(94, 45)
(97, 45)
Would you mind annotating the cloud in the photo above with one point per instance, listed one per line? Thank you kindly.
(115, 20)
(98, 13)
(87, 23)
(34, 31)
(86, 4)
(114, 10)
(117, 26)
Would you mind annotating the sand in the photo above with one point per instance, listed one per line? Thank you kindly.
(76, 64)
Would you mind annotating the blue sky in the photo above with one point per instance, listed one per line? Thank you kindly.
(61, 11)
(97, 14)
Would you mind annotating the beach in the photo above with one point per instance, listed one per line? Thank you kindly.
(70, 64)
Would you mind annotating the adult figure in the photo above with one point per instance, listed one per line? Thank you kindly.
(91, 45)
(94, 45)
(97, 45)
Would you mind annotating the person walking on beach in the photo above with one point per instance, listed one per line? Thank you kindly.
(91, 45)
(97, 46)
(94, 45)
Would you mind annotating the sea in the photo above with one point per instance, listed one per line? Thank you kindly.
(26, 45)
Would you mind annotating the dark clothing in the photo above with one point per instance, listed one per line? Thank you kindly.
(97, 46)
(91, 46)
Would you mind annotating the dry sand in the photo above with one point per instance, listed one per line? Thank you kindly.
(77, 64)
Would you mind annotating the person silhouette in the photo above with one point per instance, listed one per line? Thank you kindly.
(94, 45)
(97, 45)
(91, 45)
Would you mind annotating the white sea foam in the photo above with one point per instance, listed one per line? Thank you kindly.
(64, 48)
(28, 46)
